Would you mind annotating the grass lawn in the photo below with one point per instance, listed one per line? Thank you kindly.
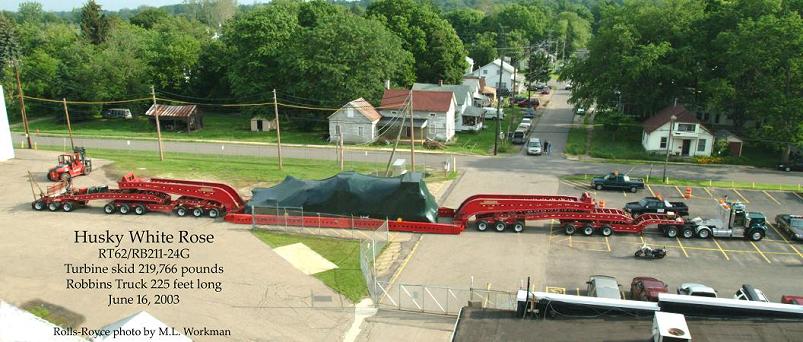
(347, 279)
(656, 180)
(482, 142)
(576, 143)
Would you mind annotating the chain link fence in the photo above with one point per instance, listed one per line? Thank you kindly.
(440, 299)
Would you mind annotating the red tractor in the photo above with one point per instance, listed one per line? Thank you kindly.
(71, 165)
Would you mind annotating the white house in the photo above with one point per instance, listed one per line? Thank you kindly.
(433, 113)
(491, 73)
(466, 119)
(470, 63)
(476, 84)
(356, 121)
(689, 137)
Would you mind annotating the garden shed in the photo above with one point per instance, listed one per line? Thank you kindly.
(176, 118)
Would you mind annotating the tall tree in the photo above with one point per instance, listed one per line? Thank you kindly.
(9, 43)
(538, 67)
(94, 24)
(148, 17)
(30, 11)
(484, 49)
(439, 54)
(467, 22)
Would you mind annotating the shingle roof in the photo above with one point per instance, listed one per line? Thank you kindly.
(364, 108)
(423, 101)
(461, 91)
(665, 115)
(171, 111)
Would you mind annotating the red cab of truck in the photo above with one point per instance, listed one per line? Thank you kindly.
(787, 299)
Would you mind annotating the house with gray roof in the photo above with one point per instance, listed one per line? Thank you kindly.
(356, 122)
(467, 116)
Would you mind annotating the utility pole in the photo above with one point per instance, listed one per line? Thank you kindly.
(158, 125)
(22, 105)
(498, 94)
(69, 128)
(669, 143)
(278, 131)
(412, 132)
(340, 150)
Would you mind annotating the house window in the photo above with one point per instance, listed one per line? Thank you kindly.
(485, 71)
(337, 130)
(686, 127)
(359, 130)
(701, 145)
(663, 142)
(350, 112)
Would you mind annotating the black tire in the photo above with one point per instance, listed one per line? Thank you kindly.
(198, 212)
(124, 209)
(755, 235)
(638, 253)
(500, 226)
(569, 229)
(606, 230)
(53, 206)
(704, 233)
(633, 189)
(181, 211)
(213, 213)
(482, 225)
(87, 169)
(68, 207)
(598, 187)
(518, 227)
(671, 232)
(588, 230)
(140, 209)
(109, 208)
(687, 233)
(660, 255)
(38, 205)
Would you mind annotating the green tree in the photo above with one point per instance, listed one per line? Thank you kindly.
(467, 23)
(484, 49)
(9, 43)
(573, 32)
(530, 18)
(148, 17)
(173, 53)
(30, 11)
(439, 54)
(94, 24)
(538, 67)
(613, 121)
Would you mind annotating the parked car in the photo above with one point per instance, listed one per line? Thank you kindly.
(528, 113)
(117, 113)
(791, 224)
(534, 147)
(580, 111)
(617, 181)
(602, 286)
(647, 289)
(528, 121)
(792, 165)
(518, 136)
(695, 289)
(748, 292)
(788, 299)
(654, 205)
(528, 103)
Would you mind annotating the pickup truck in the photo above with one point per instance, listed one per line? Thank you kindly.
(654, 205)
(617, 182)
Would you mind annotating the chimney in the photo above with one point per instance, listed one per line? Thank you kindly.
(387, 84)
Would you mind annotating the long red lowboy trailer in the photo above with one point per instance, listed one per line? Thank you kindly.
(139, 195)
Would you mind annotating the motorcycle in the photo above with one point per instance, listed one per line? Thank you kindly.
(649, 252)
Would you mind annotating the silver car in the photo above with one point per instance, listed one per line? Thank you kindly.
(602, 286)
(695, 289)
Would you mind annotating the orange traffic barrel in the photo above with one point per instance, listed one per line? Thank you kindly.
(602, 203)
(688, 192)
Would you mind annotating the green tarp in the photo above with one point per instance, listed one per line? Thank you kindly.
(350, 193)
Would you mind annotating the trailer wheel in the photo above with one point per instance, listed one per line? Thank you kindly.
(633, 189)
(139, 209)
(109, 208)
(588, 230)
(181, 211)
(198, 212)
(688, 233)
(53, 206)
(756, 235)
(671, 232)
(213, 213)
(569, 229)
(704, 233)
(518, 227)
(599, 187)
(38, 205)
(482, 225)
(125, 209)
(607, 230)
(500, 226)
(68, 207)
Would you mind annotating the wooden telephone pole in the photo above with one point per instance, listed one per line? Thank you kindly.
(22, 105)
(278, 131)
(69, 128)
(412, 133)
(158, 125)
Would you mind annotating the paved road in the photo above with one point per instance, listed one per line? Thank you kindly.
(553, 126)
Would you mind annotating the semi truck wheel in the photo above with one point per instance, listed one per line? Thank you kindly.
(482, 225)
(125, 209)
(518, 227)
(139, 209)
(569, 229)
(688, 233)
(53, 206)
(38, 205)
(599, 187)
(588, 230)
(607, 230)
(756, 235)
(671, 232)
(704, 233)
(198, 212)
(214, 213)
(500, 226)
(67, 207)
(109, 208)
(181, 211)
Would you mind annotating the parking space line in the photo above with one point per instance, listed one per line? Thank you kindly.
(784, 239)
(798, 195)
(780, 253)
(650, 188)
(681, 246)
(721, 250)
(680, 192)
(740, 195)
(607, 244)
(760, 252)
(551, 225)
(578, 290)
(624, 193)
(770, 196)
(709, 193)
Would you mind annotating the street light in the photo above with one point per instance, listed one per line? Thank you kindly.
(669, 143)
